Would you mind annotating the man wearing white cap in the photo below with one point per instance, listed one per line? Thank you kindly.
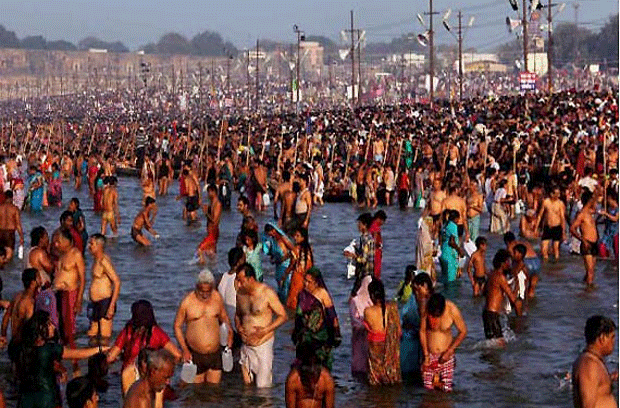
(202, 311)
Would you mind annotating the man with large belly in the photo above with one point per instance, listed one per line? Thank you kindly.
(257, 304)
(202, 311)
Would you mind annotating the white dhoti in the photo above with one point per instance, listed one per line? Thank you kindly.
(258, 361)
(500, 224)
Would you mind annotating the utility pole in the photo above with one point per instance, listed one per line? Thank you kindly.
(431, 34)
(549, 49)
(257, 76)
(524, 25)
(359, 64)
(460, 39)
(247, 71)
(352, 31)
(300, 37)
(212, 77)
(200, 85)
(577, 53)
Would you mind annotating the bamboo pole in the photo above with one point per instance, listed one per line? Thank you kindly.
(219, 142)
(400, 147)
(262, 153)
(247, 153)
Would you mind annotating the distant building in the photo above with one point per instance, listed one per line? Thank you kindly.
(312, 56)
(479, 62)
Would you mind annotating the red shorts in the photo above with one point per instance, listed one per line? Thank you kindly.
(210, 241)
(66, 304)
(444, 371)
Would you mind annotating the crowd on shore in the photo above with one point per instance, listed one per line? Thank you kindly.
(551, 161)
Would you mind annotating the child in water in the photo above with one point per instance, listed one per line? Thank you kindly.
(478, 276)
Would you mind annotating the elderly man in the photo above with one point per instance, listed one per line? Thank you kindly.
(159, 370)
(257, 304)
(202, 311)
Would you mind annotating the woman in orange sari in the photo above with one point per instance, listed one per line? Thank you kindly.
(302, 260)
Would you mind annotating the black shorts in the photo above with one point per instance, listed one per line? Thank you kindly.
(191, 204)
(588, 248)
(7, 238)
(135, 233)
(204, 362)
(460, 230)
(361, 192)
(480, 280)
(98, 310)
(492, 325)
(552, 233)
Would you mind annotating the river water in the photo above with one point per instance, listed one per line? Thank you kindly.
(527, 373)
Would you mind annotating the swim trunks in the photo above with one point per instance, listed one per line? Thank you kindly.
(258, 361)
(588, 248)
(98, 310)
(492, 325)
(208, 361)
(7, 238)
(210, 241)
(135, 233)
(533, 265)
(108, 216)
(552, 233)
(191, 204)
(443, 372)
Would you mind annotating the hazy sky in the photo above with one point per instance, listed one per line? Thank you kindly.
(137, 22)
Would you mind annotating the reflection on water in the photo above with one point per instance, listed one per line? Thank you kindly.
(524, 374)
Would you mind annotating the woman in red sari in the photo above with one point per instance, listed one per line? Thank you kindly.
(302, 260)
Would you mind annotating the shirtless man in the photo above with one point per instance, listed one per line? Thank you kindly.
(283, 197)
(455, 202)
(584, 229)
(192, 202)
(437, 341)
(476, 269)
(309, 384)
(303, 203)
(435, 205)
(527, 225)
(213, 211)
(257, 304)
(378, 149)
(10, 221)
(159, 370)
(142, 221)
(202, 311)
(553, 212)
(104, 291)
(110, 213)
(474, 201)
(20, 310)
(69, 283)
(497, 288)
(39, 257)
(591, 380)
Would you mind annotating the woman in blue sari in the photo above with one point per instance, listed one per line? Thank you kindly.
(278, 246)
(36, 189)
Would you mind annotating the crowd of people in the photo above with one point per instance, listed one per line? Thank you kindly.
(550, 161)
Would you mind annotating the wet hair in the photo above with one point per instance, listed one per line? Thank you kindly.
(596, 326)
(376, 291)
(423, 279)
(66, 234)
(453, 215)
(296, 187)
(248, 270)
(234, 255)
(509, 237)
(286, 175)
(8, 194)
(480, 241)
(97, 371)
(79, 391)
(365, 219)
(76, 201)
(501, 256)
(149, 201)
(99, 238)
(305, 248)
(243, 199)
(211, 187)
(158, 358)
(436, 305)
(380, 215)
(520, 248)
(65, 216)
(309, 368)
(33, 330)
(140, 326)
(28, 275)
(586, 196)
(36, 235)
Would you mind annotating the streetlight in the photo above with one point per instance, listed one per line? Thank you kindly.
(301, 36)
(459, 39)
